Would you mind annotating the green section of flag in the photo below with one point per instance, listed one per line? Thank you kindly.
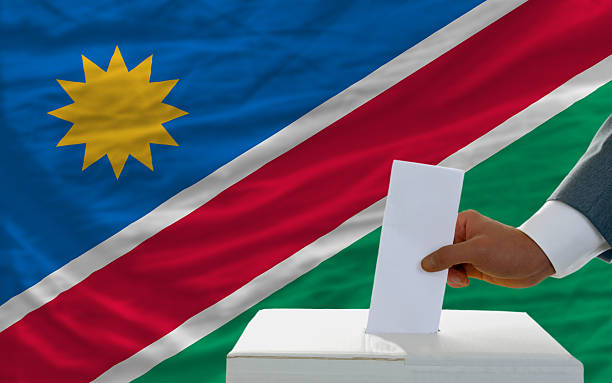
(509, 187)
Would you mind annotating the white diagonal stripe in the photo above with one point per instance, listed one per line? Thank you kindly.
(352, 230)
(198, 194)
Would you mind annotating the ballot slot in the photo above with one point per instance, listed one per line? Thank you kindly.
(420, 216)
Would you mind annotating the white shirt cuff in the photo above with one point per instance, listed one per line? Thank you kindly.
(567, 237)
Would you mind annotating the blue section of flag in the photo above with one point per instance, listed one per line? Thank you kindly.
(246, 70)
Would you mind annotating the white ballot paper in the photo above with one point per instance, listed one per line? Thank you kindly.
(420, 217)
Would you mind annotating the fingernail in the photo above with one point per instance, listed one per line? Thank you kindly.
(455, 279)
(428, 263)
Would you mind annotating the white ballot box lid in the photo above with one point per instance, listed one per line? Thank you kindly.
(304, 345)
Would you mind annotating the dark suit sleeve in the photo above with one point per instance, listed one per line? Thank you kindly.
(588, 187)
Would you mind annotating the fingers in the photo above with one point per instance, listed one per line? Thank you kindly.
(463, 249)
(473, 272)
(447, 256)
(488, 250)
(460, 229)
(464, 219)
(457, 277)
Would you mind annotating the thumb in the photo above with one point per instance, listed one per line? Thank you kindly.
(448, 256)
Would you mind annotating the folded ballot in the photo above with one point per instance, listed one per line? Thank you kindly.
(420, 217)
(331, 346)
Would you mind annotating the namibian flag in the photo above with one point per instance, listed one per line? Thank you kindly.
(274, 126)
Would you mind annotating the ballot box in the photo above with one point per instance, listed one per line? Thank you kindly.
(303, 345)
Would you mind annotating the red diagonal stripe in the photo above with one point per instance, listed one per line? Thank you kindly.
(305, 193)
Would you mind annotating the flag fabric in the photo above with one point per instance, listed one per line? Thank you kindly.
(275, 126)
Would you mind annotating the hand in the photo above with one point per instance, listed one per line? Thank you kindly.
(489, 250)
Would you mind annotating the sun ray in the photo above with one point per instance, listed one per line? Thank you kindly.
(144, 156)
(117, 113)
(73, 137)
(92, 71)
(93, 153)
(116, 63)
(162, 88)
(68, 112)
(163, 138)
(117, 159)
(142, 72)
(167, 112)
(74, 89)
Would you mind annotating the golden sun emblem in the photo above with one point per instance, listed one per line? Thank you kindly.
(117, 112)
